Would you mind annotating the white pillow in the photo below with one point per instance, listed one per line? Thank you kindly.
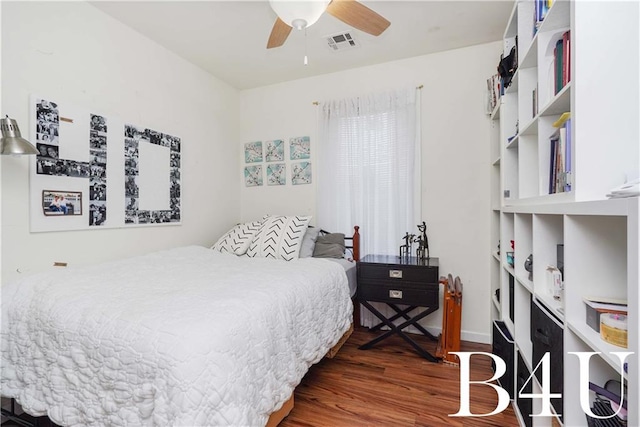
(309, 242)
(237, 240)
(279, 237)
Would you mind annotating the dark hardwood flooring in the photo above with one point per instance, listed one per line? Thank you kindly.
(391, 385)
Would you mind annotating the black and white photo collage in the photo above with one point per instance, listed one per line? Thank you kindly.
(98, 170)
(133, 137)
(48, 161)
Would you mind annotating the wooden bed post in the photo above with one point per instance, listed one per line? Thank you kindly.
(356, 257)
(356, 243)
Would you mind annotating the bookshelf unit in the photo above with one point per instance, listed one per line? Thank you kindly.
(598, 237)
(496, 202)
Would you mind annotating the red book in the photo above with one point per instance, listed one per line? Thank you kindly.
(566, 58)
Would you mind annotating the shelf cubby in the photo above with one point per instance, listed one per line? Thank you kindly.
(548, 233)
(528, 166)
(522, 323)
(600, 371)
(526, 87)
(546, 45)
(496, 199)
(506, 307)
(595, 254)
(523, 247)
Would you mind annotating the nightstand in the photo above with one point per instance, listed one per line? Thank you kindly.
(399, 281)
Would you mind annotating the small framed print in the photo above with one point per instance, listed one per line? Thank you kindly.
(276, 174)
(61, 203)
(301, 173)
(253, 152)
(274, 150)
(253, 176)
(300, 148)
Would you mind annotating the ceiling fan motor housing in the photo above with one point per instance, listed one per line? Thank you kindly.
(299, 14)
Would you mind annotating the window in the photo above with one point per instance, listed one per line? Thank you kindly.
(368, 172)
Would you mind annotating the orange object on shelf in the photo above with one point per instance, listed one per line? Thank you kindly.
(451, 319)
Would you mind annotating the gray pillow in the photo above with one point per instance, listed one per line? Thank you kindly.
(330, 246)
(309, 242)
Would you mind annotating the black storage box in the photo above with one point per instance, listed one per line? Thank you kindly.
(511, 296)
(547, 335)
(504, 348)
(525, 405)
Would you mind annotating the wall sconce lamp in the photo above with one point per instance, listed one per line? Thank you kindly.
(12, 141)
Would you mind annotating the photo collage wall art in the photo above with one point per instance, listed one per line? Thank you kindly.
(135, 139)
(272, 153)
(78, 150)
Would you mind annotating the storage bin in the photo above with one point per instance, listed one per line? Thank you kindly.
(503, 347)
(546, 336)
(525, 405)
(511, 296)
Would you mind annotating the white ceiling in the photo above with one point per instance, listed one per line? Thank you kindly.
(229, 38)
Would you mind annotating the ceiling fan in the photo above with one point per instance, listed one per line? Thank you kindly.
(302, 14)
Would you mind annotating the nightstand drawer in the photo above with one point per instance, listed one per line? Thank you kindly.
(399, 273)
(424, 295)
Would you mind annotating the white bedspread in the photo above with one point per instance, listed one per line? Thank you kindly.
(186, 337)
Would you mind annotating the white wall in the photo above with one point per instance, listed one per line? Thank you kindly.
(455, 156)
(72, 52)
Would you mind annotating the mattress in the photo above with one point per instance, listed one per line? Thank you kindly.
(187, 336)
(351, 272)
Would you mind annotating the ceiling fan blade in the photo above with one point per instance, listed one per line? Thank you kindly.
(358, 16)
(279, 34)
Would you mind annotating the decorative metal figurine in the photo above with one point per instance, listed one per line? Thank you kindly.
(405, 250)
(422, 252)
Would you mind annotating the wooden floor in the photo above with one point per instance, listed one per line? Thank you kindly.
(390, 385)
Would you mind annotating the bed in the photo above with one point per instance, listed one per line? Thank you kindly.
(187, 336)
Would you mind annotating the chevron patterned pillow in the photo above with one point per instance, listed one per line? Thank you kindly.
(237, 240)
(280, 237)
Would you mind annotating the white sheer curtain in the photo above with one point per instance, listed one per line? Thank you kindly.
(369, 168)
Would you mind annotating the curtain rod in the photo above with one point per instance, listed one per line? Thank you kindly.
(317, 103)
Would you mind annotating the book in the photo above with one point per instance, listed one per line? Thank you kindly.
(567, 157)
(552, 164)
(562, 147)
(563, 118)
(545, 8)
(606, 303)
(566, 56)
(541, 9)
(558, 66)
(595, 309)
(554, 66)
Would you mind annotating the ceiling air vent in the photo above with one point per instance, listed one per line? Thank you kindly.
(342, 41)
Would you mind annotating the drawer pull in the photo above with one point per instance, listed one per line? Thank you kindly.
(542, 337)
(395, 294)
(395, 274)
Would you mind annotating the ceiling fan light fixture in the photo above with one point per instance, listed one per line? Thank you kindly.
(299, 14)
(299, 24)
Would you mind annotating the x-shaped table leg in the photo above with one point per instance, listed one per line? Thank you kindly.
(398, 330)
(404, 313)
